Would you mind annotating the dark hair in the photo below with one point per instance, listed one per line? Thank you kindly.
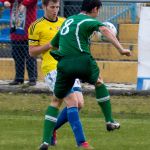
(88, 5)
(45, 2)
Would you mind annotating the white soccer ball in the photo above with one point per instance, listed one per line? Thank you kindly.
(98, 37)
(111, 27)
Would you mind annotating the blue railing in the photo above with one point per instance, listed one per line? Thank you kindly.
(113, 12)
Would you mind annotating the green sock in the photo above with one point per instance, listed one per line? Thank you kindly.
(49, 123)
(103, 99)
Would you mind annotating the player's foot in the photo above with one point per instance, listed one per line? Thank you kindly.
(85, 145)
(43, 146)
(54, 139)
(110, 126)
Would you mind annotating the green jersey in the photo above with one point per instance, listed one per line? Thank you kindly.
(73, 37)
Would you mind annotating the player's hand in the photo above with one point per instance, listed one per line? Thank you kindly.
(126, 52)
(7, 4)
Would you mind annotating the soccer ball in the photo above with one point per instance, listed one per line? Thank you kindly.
(98, 37)
(111, 27)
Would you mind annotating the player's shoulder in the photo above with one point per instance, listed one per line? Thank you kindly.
(35, 26)
(37, 22)
(61, 19)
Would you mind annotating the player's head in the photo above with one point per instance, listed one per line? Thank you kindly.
(91, 6)
(51, 8)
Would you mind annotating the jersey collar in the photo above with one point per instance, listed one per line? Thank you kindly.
(51, 20)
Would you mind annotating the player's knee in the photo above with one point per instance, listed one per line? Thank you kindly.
(80, 101)
(71, 100)
(72, 103)
(99, 81)
(56, 102)
(102, 93)
(80, 98)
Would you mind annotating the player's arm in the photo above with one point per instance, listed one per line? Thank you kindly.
(112, 38)
(37, 50)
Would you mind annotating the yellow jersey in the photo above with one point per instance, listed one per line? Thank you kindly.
(40, 33)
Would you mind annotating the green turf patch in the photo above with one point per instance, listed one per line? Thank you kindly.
(21, 122)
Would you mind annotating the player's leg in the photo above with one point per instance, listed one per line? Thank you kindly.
(102, 96)
(51, 113)
(103, 99)
(78, 91)
(79, 134)
(74, 119)
(50, 122)
(50, 80)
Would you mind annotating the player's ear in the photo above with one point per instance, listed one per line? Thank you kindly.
(94, 10)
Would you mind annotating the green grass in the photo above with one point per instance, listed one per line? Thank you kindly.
(21, 122)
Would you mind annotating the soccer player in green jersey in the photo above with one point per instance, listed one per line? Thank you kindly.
(75, 61)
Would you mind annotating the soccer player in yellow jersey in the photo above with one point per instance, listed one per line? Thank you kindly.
(40, 34)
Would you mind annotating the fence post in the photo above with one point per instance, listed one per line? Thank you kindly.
(62, 8)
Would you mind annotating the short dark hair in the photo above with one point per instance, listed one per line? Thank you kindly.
(88, 5)
(45, 2)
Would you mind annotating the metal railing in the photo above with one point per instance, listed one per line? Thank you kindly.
(113, 11)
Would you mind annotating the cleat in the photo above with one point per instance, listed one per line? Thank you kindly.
(85, 145)
(43, 147)
(110, 126)
(53, 141)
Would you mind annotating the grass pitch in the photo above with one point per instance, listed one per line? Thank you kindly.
(21, 122)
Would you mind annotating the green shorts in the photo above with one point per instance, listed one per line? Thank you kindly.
(83, 67)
